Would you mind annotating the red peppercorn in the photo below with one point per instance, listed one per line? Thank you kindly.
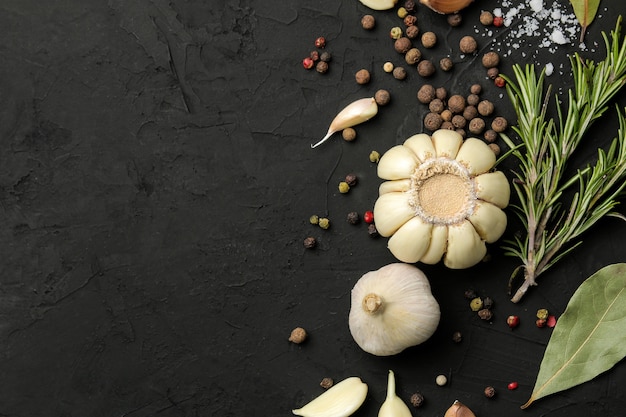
(368, 217)
(541, 323)
(551, 321)
(315, 56)
(512, 321)
(499, 82)
(308, 63)
(320, 42)
(498, 21)
(512, 385)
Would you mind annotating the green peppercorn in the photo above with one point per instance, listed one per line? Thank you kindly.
(476, 304)
(343, 187)
(324, 223)
(314, 219)
(374, 157)
(542, 314)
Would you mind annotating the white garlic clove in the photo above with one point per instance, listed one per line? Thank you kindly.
(447, 143)
(489, 221)
(438, 245)
(422, 146)
(411, 241)
(394, 186)
(465, 247)
(476, 156)
(340, 400)
(393, 406)
(397, 163)
(391, 211)
(494, 188)
(353, 114)
(379, 4)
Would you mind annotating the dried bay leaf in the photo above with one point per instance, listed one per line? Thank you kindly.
(585, 11)
(589, 337)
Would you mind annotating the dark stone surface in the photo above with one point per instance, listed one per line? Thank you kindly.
(156, 181)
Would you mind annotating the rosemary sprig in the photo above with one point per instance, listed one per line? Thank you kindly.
(553, 227)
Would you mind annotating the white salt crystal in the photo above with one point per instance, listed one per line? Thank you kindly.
(549, 69)
(558, 37)
(536, 5)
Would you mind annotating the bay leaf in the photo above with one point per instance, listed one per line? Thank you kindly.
(585, 11)
(589, 337)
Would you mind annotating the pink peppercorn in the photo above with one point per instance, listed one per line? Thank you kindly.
(320, 42)
(512, 385)
(308, 63)
(368, 217)
(498, 21)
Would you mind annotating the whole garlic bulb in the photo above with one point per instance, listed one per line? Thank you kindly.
(441, 199)
(392, 309)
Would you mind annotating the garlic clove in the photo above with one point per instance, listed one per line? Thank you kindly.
(397, 163)
(494, 188)
(438, 245)
(411, 241)
(379, 4)
(391, 211)
(465, 247)
(446, 6)
(340, 400)
(476, 156)
(353, 114)
(458, 409)
(447, 143)
(393, 406)
(489, 221)
(394, 186)
(421, 145)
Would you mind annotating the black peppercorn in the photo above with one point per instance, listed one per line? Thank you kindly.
(371, 230)
(457, 337)
(417, 399)
(485, 314)
(351, 179)
(326, 383)
(322, 67)
(325, 56)
(454, 19)
(470, 294)
(490, 392)
(409, 5)
(488, 303)
(353, 217)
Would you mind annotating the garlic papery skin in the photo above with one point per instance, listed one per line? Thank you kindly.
(393, 406)
(441, 200)
(353, 114)
(392, 309)
(340, 400)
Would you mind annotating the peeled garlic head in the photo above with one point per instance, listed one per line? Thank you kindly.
(442, 199)
(392, 309)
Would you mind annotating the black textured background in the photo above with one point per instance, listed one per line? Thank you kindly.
(156, 181)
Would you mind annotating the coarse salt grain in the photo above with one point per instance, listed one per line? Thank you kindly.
(549, 69)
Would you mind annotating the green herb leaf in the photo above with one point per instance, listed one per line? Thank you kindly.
(589, 337)
(585, 11)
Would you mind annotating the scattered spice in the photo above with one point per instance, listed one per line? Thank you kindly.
(432, 121)
(425, 68)
(491, 135)
(298, 335)
(436, 106)
(499, 82)
(476, 89)
(454, 19)
(399, 73)
(417, 400)
(491, 59)
(310, 242)
(409, 5)
(470, 294)
(490, 392)
(351, 179)
(541, 323)
(402, 12)
(395, 32)
(485, 108)
(326, 383)
(441, 93)
(426, 93)
(322, 67)
(473, 100)
(372, 230)
(368, 22)
(470, 112)
(412, 32)
(353, 217)
(441, 380)
(551, 322)
(410, 20)
(314, 219)
(495, 148)
(488, 302)
(326, 56)
(315, 56)
(499, 124)
(308, 63)
(456, 103)
(498, 21)
(429, 39)
(362, 76)
(446, 64)
(413, 56)
(348, 134)
(512, 385)
(382, 97)
(324, 223)
(468, 45)
(542, 314)
(343, 187)
(457, 337)
(402, 45)
(476, 304)
(512, 321)
(374, 157)
(368, 217)
(320, 42)
(486, 18)
(459, 121)
(388, 67)
(485, 314)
